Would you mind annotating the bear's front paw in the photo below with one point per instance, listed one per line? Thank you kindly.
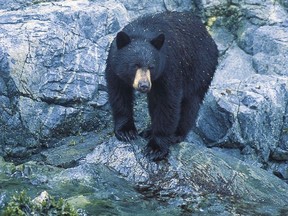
(146, 133)
(156, 151)
(126, 134)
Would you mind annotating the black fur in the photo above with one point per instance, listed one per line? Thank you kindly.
(182, 58)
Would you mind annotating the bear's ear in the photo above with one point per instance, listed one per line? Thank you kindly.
(122, 39)
(158, 41)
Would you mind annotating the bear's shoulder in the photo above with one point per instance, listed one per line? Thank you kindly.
(169, 23)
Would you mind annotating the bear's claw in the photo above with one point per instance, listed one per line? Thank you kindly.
(156, 151)
(156, 154)
(126, 136)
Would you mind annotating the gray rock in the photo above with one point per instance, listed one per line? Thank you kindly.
(265, 51)
(189, 170)
(284, 137)
(43, 118)
(270, 50)
(284, 4)
(138, 8)
(246, 113)
(95, 189)
(223, 38)
(236, 64)
(70, 150)
(193, 178)
(280, 154)
(260, 13)
(51, 63)
(245, 35)
(279, 169)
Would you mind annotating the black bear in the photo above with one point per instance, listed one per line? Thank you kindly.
(171, 57)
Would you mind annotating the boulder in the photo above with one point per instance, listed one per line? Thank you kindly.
(248, 115)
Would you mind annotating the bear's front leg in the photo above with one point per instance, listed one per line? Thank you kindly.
(125, 129)
(121, 101)
(158, 147)
(165, 114)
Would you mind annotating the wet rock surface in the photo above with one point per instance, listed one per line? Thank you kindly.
(56, 129)
(193, 180)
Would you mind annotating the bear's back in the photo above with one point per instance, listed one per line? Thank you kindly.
(174, 25)
(184, 33)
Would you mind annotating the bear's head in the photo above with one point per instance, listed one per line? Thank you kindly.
(139, 61)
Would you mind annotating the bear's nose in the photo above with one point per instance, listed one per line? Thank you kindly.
(143, 87)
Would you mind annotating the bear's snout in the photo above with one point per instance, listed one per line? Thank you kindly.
(142, 80)
(143, 86)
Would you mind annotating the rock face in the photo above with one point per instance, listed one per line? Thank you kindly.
(246, 110)
(250, 115)
(52, 65)
(53, 94)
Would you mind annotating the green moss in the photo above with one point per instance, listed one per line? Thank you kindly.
(211, 21)
(22, 205)
(6, 167)
(229, 16)
(72, 143)
(19, 205)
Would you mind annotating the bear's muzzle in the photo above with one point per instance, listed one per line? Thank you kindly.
(142, 80)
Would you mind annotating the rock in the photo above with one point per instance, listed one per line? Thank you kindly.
(280, 154)
(39, 200)
(14, 5)
(279, 169)
(259, 45)
(138, 8)
(193, 179)
(70, 150)
(94, 188)
(255, 11)
(270, 50)
(190, 170)
(52, 63)
(284, 134)
(222, 37)
(268, 14)
(6, 167)
(246, 114)
(242, 68)
(284, 4)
